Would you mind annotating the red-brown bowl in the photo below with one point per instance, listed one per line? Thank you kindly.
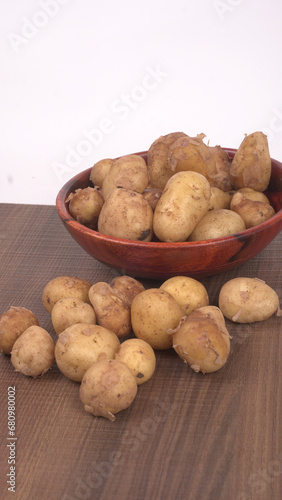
(158, 260)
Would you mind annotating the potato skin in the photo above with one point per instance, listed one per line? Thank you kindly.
(69, 311)
(154, 312)
(129, 172)
(107, 388)
(12, 324)
(64, 286)
(126, 288)
(252, 212)
(126, 214)
(217, 224)
(219, 199)
(202, 340)
(251, 165)
(183, 203)
(100, 170)
(33, 352)
(189, 293)
(139, 356)
(81, 345)
(246, 300)
(111, 311)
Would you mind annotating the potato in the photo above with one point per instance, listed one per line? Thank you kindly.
(100, 170)
(219, 199)
(158, 166)
(126, 214)
(126, 288)
(154, 312)
(139, 356)
(190, 154)
(184, 201)
(129, 172)
(12, 324)
(188, 293)
(85, 206)
(152, 196)
(81, 345)
(107, 388)
(33, 352)
(251, 165)
(252, 212)
(111, 311)
(217, 224)
(220, 177)
(246, 300)
(64, 286)
(253, 195)
(69, 311)
(202, 340)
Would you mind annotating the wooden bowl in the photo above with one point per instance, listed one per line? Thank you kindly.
(158, 260)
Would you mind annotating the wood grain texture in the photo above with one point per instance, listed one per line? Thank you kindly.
(186, 436)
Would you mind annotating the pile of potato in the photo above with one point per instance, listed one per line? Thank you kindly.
(187, 191)
(94, 324)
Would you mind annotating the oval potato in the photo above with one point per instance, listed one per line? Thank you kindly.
(217, 224)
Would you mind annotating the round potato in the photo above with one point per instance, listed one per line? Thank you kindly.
(184, 201)
(246, 300)
(251, 165)
(126, 288)
(202, 340)
(33, 352)
(69, 311)
(107, 388)
(85, 206)
(158, 163)
(111, 311)
(154, 313)
(126, 214)
(139, 356)
(129, 172)
(64, 286)
(188, 293)
(81, 345)
(12, 324)
(217, 224)
(100, 170)
(253, 212)
(219, 199)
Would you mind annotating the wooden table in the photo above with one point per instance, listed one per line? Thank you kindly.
(186, 436)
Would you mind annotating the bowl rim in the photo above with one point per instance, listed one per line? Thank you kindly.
(65, 216)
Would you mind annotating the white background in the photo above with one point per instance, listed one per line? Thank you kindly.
(86, 80)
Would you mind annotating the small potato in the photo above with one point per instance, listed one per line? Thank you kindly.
(154, 313)
(107, 388)
(158, 165)
(152, 196)
(191, 154)
(85, 206)
(111, 311)
(64, 286)
(251, 165)
(246, 300)
(221, 177)
(81, 345)
(100, 170)
(252, 212)
(33, 352)
(202, 340)
(69, 311)
(126, 288)
(183, 203)
(188, 293)
(217, 224)
(219, 199)
(12, 324)
(126, 214)
(253, 195)
(129, 172)
(139, 356)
